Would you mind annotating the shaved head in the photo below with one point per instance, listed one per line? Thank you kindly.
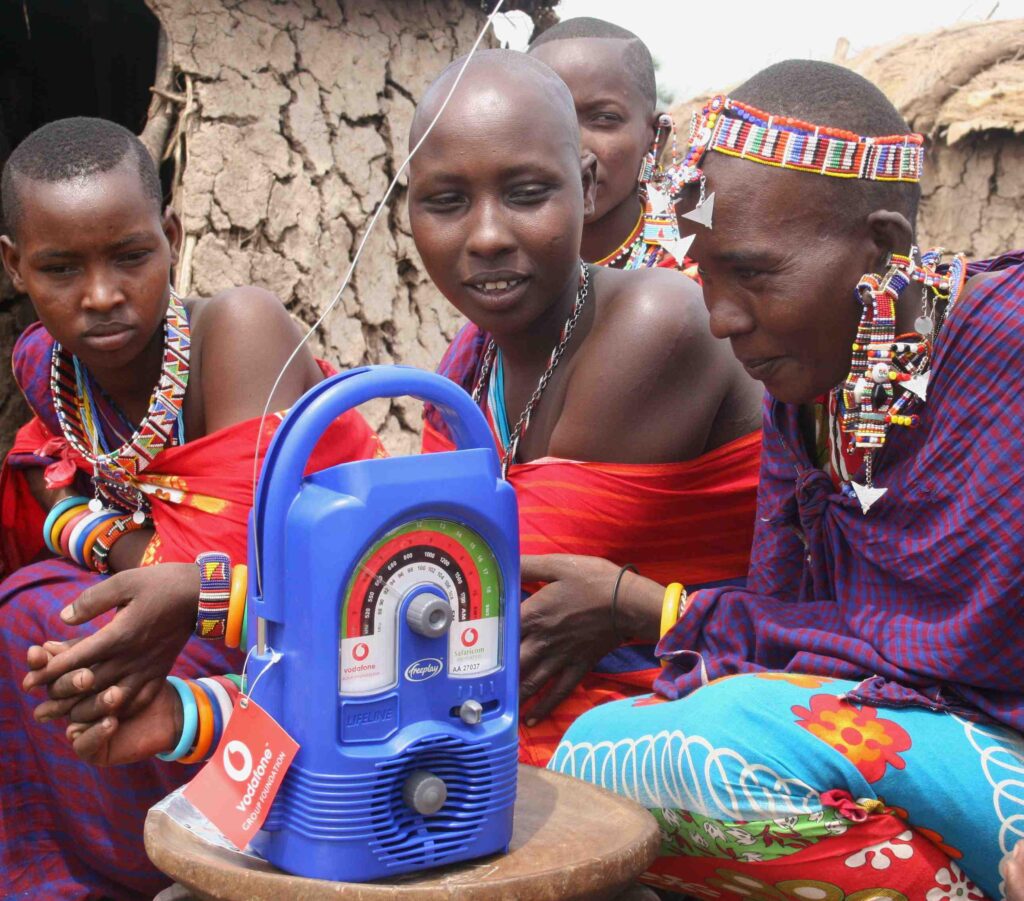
(497, 75)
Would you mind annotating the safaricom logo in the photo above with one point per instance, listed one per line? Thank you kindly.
(421, 670)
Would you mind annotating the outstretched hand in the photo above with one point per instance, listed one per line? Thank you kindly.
(134, 652)
(566, 627)
(111, 740)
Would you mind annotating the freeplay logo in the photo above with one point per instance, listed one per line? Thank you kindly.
(421, 670)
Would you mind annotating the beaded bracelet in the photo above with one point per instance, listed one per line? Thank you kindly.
(115, 531)
(190, 719)
(214, 594)
(209, 703)
(57, 510)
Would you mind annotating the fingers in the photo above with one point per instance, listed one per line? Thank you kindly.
(97, 706)
(72, 684)
(91, 743)
(534, 677)
(53, 710)
(543, 567)
(557, 692)
(85, 652)
(97, 599)
(39, 658)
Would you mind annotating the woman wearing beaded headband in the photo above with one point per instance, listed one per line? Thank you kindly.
(144, 408)
(849, 723)
(610, 73)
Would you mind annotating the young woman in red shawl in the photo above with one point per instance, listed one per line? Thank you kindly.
(147, 408)
(599, 367)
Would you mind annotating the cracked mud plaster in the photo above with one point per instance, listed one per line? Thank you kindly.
(301, 118)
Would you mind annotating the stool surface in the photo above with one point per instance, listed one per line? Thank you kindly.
(571, 840)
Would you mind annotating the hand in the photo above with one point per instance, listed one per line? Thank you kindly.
(566, 627)
(111, 741)
(134, 652)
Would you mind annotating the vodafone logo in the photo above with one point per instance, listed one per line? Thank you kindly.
(239, 749)
(361, 651)
(469, 637)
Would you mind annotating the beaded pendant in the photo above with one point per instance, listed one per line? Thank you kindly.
(867, 402)
(115, 471)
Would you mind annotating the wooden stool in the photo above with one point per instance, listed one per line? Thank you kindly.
(571, 840)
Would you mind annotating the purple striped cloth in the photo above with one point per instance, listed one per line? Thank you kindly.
(920, 600)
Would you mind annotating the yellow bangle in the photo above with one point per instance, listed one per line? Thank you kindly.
(236, 604)
(670, 606)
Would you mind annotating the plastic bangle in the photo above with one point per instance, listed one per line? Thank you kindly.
(221, 695)
(68, 530)
(76, 543)
(670, 606)
(215, 709)
(237, 680)
(90, 539)
(204, 734)
(190, 717)
(60, 522)
(59, 509)
(236, 604)
(629, 567)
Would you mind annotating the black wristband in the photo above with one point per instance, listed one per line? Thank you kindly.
(629, 567)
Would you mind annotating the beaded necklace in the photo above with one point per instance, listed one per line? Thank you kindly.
(509, 454)
(115, 469)
(866, 405)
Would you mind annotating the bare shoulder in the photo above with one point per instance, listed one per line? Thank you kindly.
(245, 312)
(654, 310)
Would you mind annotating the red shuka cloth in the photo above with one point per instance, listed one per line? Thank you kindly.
(689, 522)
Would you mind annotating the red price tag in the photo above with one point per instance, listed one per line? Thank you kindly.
(238, 784)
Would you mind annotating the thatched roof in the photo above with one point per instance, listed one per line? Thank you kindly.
(955, 81)
(947, 84)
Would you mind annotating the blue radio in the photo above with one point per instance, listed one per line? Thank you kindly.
(391, 589)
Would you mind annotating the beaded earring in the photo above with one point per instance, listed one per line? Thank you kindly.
(650, 170)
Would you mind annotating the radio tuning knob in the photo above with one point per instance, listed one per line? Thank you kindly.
(424, 792)
(429, 615)
(470, 712)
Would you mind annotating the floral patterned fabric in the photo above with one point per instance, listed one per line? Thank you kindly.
(775, 787)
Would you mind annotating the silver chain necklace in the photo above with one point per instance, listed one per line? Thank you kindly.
(489, 354)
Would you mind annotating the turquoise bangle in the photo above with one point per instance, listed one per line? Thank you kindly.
(236, 679)
(244, 642)
(191, 717)
(64, 504)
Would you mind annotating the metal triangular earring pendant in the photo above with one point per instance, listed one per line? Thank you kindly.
(677, 249)
(918, 385)
(702, 213)
(867, 494)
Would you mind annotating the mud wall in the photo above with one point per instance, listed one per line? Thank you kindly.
(289, 119)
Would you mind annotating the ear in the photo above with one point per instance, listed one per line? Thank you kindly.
(12, 262)
(890, 232)
(173, 231)
(588, 170)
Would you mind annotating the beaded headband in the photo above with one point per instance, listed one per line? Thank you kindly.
(734, 128)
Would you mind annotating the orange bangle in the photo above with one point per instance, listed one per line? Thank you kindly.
(205, 734)
(62, 521)
(236, 604)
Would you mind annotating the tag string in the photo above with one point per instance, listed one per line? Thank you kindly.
(348, 275)
(247, 690)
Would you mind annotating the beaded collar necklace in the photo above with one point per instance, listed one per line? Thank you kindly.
(116, 469)
(509, 455)
(866, 405)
